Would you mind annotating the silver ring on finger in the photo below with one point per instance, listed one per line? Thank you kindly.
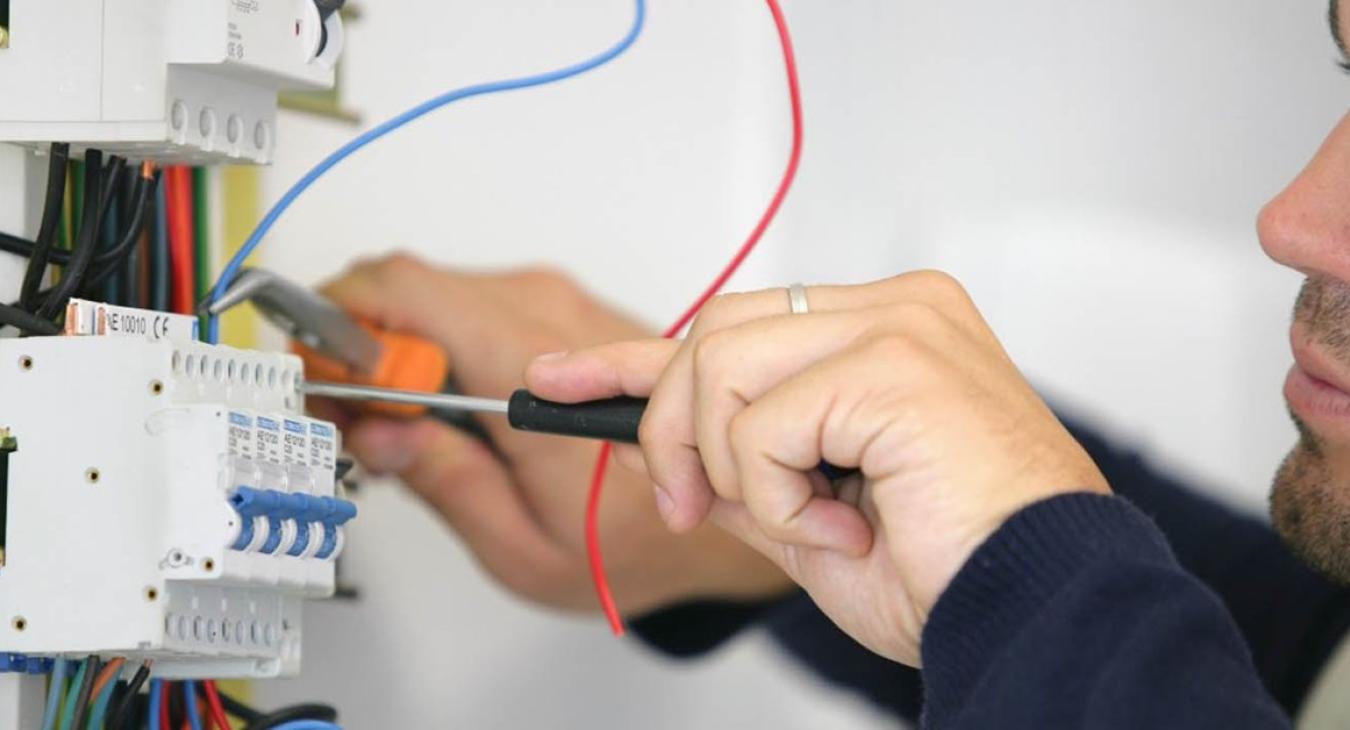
(797, 299)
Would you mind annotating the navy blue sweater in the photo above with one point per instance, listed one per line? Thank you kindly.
(1157, 608)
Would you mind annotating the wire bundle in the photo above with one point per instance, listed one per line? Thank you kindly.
(97, 699)
(104, 224)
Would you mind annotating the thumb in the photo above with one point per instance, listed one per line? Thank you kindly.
(463, 480)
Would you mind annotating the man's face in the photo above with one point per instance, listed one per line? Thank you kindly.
(1308, 229)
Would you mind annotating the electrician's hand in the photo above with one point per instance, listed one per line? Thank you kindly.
(901, 378)
(521, 509)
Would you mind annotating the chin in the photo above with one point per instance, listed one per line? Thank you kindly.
(1310, 503)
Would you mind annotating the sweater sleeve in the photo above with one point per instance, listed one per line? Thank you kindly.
(1075, 614)
(1291, 618)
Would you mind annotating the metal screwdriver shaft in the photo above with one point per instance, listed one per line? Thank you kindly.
(345, 391)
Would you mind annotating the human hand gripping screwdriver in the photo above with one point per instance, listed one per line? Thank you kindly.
(610, 419)
(398, 374)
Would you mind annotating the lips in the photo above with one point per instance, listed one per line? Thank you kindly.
(1316, 389)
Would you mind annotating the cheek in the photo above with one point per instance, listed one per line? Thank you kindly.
(1307, 227)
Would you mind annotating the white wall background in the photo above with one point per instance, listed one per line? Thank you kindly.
(1092, 169)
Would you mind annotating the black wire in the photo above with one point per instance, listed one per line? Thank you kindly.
(96, 208)
(112, 260)
(122, 710)
(26, 321)
(105, 265)
(307, 711)
(86, 686)
(59, 159)
(82, 241)
(256, 720)
(176, 709)
(24, 247)
(237, 708)
(109, 236)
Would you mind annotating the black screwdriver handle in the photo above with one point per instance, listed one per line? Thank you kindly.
(613, 419)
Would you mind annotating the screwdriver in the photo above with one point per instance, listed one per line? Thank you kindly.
(611, 419)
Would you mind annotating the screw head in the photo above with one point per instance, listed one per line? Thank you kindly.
(19, 623)
(25, 362)
(92, 475)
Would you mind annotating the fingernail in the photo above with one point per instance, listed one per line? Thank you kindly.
(664, 504)
(552, 356)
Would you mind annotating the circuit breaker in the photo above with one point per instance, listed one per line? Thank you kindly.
(194, 81)
(162, 498)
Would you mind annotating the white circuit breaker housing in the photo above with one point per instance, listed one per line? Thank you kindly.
(191, 81)
(165, 500)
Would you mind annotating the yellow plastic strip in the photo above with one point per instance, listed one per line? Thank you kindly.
(240, 207)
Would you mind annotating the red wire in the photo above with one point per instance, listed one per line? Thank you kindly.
(597, 561)
(164, 706)
(213, 702)
(181, 227)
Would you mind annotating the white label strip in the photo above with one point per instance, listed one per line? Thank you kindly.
(84, 317)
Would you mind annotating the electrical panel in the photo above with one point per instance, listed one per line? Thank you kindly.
(161, 498)
(188, 81)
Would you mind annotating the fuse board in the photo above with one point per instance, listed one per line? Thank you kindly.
(189, 81)
(162, 499)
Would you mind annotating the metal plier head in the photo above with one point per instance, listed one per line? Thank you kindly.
(305, 315)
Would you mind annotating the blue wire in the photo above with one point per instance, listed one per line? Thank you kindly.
(101, 706)
(72, 697)
(306, 725)
(156, 690)
(232, 268)
(159, 262)
(58, 682)
(190, 699)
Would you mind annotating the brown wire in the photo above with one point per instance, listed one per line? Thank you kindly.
(107, 675)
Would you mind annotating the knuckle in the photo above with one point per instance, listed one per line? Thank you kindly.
(940, 283)
(401, 265)
(893, 347)
(916, 316)
(558, 289)
(548, 280)
(716, 313)
(543, 586)
(743, 431)
(649, 435)
(710, 351)
(777, 527)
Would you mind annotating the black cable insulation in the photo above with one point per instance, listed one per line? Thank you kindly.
(52, 208)
(92, 665)
(122, 711)
(96, 206)
(26, 321)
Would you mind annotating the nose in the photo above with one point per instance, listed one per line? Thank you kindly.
(1307, 227)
